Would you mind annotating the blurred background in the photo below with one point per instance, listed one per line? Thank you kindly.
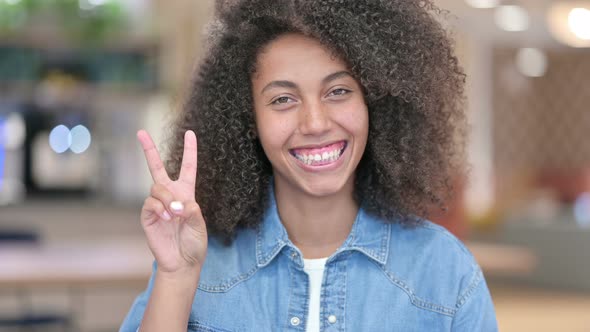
(78, 78)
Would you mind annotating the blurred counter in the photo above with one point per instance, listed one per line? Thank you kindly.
(524, 308)
(57, 220)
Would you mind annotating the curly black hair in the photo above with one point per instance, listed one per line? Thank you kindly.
(413, 86)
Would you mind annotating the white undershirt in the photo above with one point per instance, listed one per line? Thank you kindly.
(315, 270)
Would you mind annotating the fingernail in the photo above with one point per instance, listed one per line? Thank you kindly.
(176, 206)
(166, 215)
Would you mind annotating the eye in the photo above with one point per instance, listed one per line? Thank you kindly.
(280, 100)
(339, 92)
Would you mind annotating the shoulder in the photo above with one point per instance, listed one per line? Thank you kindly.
(432, 266)
(427, 242)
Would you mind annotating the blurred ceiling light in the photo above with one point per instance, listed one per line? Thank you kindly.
(14, 131)
(531, 62)
(569, 22)
(91, 4)
(80, 139)
(60, 139)
(483, 3)
(579, 22)
(512, 18)
(2, 152)
(85, 5)
(97, 2)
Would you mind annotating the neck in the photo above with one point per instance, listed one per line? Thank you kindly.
(316, 225)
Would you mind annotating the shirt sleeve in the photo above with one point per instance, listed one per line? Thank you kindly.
(475, 309)
(135, 314)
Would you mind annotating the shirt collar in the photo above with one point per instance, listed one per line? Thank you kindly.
(271, 235)
(369, 235)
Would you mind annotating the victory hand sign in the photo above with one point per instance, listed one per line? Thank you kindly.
(170, 216)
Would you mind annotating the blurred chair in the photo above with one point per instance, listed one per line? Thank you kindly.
(19, 237)
(29, 320)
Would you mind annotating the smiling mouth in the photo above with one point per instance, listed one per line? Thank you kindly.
(320, 156)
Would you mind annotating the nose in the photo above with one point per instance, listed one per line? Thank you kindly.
(314, 119)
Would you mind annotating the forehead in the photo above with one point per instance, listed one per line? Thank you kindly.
(292, 56)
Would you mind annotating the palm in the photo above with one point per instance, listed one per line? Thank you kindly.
(178, 242)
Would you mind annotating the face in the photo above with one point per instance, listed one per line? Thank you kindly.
(311, 117)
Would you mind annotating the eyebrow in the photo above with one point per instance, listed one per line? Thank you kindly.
(291, 85)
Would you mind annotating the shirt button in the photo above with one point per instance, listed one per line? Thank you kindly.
(332, 319)
(295, 321)
(294, 254)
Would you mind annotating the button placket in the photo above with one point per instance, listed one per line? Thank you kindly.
(298, 286)
(334, 293)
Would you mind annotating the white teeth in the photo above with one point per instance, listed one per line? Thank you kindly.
(324, 157)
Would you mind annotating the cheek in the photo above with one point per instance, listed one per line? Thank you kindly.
(356, 120)
(273, 131)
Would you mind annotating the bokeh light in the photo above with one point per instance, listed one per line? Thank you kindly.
(81, 138)
(482, 3)
(512, 18)
(60, 139)
(582, 210)
(2, 149)
(531, 62)
(97, 2)
(579, 22)
(14, 131)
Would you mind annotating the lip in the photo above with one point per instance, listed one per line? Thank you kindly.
(322, 168)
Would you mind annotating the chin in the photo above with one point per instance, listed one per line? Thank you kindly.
(324, 187)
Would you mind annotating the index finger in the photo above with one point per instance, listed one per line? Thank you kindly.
(188, 171)
(152, 157)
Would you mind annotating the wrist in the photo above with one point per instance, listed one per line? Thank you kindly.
(185, 276)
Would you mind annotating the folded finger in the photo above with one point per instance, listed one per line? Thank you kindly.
(161, 193)
(153, 206)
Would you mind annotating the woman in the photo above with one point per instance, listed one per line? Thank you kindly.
(326, 129)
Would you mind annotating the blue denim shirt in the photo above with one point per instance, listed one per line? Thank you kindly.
(384, 277)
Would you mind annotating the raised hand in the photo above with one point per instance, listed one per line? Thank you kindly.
(170, 216)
